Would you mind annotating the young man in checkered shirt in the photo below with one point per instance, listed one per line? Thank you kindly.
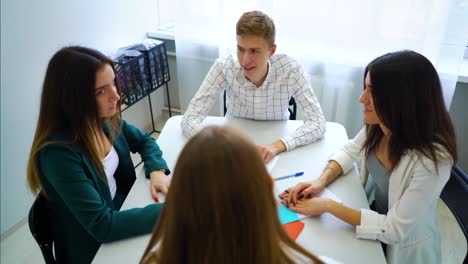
(259, 86)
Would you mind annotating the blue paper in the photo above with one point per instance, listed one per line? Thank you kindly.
(286, 215)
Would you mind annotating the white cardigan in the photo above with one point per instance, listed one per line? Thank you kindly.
(410, 227)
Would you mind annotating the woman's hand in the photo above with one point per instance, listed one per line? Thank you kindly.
(159, 182)
(301, 190)
(311, 206)
(318, 206)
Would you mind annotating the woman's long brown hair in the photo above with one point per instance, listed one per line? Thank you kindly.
(408, 99)
(68, 105)
(221, 207)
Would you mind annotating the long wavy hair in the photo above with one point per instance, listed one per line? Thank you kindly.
(408, 100)
(221, 207)
(68, 104)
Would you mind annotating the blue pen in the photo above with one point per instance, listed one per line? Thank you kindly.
(297, 174)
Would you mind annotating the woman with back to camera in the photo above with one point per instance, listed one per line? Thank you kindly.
(80, 157)
(408, 147)
(221, 208)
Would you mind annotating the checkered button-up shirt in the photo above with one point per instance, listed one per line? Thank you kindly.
(285, 79)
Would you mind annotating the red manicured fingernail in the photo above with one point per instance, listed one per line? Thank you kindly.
(156, 199)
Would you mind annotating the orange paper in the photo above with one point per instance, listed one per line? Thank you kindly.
(294, 229)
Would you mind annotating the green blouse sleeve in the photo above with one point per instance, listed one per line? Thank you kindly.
(146, 146)
(65, 171)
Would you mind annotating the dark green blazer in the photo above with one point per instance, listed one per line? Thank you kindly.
(82, 213)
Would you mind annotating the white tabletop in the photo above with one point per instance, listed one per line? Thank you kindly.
(323, 235)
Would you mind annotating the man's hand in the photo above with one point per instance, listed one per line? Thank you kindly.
(269, 151)
(159, 182)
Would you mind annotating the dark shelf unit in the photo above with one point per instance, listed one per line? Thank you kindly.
(141, 74)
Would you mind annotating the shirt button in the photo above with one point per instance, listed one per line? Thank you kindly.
(383, 231)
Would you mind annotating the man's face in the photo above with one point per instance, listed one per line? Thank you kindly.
(253, 53)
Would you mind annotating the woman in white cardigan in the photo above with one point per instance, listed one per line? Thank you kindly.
(408, 147)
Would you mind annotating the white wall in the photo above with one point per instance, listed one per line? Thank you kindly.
(167, 10)
(31, 31)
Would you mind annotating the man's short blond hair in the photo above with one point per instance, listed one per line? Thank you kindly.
(256, 23)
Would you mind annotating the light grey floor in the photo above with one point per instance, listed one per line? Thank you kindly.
(20, 247)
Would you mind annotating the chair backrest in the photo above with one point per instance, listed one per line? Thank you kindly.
(455, 196)
(40, 227)
(224, 101)
(292, 107)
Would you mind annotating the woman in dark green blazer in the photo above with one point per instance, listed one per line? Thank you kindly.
(80, 157)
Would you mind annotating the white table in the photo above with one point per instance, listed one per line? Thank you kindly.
(324, 235)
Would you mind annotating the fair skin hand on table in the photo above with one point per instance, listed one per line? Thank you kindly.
(303, 199)
(269, 151)
(318, 206)
(159, 182)
(300, 191)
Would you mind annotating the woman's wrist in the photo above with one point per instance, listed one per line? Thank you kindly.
(322, 181)
(331, 171)
(327, 205)
(343, 212)
(327, 176)
(157, 172)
